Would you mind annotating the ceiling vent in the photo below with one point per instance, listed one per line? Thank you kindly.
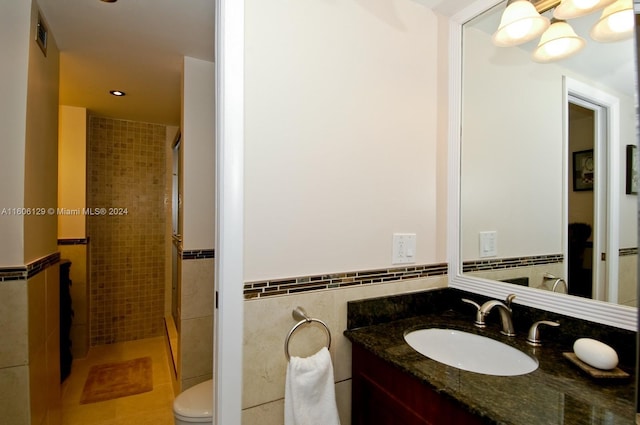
(42, 35)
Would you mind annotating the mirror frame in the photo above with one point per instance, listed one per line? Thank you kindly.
(596, 311)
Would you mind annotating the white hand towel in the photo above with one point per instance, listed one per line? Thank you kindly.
(309, 393)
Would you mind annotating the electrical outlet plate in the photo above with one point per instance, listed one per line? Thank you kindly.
(404, 248)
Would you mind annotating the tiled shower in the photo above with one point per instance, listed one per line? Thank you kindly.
(126, 193)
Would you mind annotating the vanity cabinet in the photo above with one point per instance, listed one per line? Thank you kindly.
(385, 395)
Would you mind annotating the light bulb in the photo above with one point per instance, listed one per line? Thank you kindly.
(519, 29)
(621, 21)
(585, 4)
(569, 9)
(558, 42)
(616, 23)
(557, 47)
(520, 22)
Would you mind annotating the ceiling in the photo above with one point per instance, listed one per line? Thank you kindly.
(135, 46)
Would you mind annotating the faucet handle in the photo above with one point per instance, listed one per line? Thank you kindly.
(508, 300)
(534, 334)
(473, 303)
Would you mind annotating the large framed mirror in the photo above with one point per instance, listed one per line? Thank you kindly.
(537, 174)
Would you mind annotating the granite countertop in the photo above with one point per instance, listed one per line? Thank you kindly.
(556, 393)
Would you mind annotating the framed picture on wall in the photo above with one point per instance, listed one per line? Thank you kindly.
(632, 170)
(583, 170)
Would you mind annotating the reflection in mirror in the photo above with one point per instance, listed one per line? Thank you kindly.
(542, 164)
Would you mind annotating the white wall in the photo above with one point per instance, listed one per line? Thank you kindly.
(511, 152)
(628, 203)
(512, 148)
(14, 44)
(198, 149)
(341, 127)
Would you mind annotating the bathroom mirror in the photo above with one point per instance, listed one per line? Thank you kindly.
(517, 180)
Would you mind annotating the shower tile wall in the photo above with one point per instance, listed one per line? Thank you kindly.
(126, 169)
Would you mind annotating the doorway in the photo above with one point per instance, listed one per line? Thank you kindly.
(581, 231)
(591, 236)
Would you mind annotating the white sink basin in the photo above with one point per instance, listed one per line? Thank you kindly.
(470, 352)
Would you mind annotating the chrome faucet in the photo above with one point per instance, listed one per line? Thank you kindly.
(534, 332)
(555, 285)
(557, 280)
(505, 313)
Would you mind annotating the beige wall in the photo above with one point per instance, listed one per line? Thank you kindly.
(72, 171)
(345, 144)
(14, 357)
(628, 280)
(340, 135)
(15, 18)
(267, 322)
(29, 364)
(41, 147)
(72, 195)
(195, 343)
(196, 275)
(44, 347)
(15, 41)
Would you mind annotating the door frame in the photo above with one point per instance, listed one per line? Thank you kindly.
(229, 212)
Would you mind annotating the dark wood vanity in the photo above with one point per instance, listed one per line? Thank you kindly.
(384, 395)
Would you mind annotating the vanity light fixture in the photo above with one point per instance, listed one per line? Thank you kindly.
(117, 93)
(557, 42)
(616, 23)
(522, 21)
(570, 9)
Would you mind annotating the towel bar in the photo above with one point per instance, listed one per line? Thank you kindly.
(298, 313)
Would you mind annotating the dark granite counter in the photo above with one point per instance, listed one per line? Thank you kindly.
(556, 393)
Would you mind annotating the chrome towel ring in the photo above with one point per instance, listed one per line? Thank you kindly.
(298, 313)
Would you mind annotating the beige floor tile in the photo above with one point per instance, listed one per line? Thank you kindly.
(89, 413)
(159, 398)
(153, 407)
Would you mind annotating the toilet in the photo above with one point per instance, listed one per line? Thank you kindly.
(194, 405)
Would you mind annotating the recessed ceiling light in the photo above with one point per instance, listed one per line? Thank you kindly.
(109, 1)
(117, 92)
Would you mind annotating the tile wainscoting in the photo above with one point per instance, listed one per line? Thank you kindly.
(196, 274)
(30, 364)
(267, 320)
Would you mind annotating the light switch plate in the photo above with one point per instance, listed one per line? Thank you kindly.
(404, 248)
(488, 244)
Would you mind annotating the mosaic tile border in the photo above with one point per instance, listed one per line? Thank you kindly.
(78, 241)
(288, 286)
(508, 263)
(628, 251)
(25, 272)
(198, 254)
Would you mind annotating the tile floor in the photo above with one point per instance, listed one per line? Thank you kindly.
(150, 408)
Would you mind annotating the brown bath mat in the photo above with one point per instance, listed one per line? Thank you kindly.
(113, 380)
